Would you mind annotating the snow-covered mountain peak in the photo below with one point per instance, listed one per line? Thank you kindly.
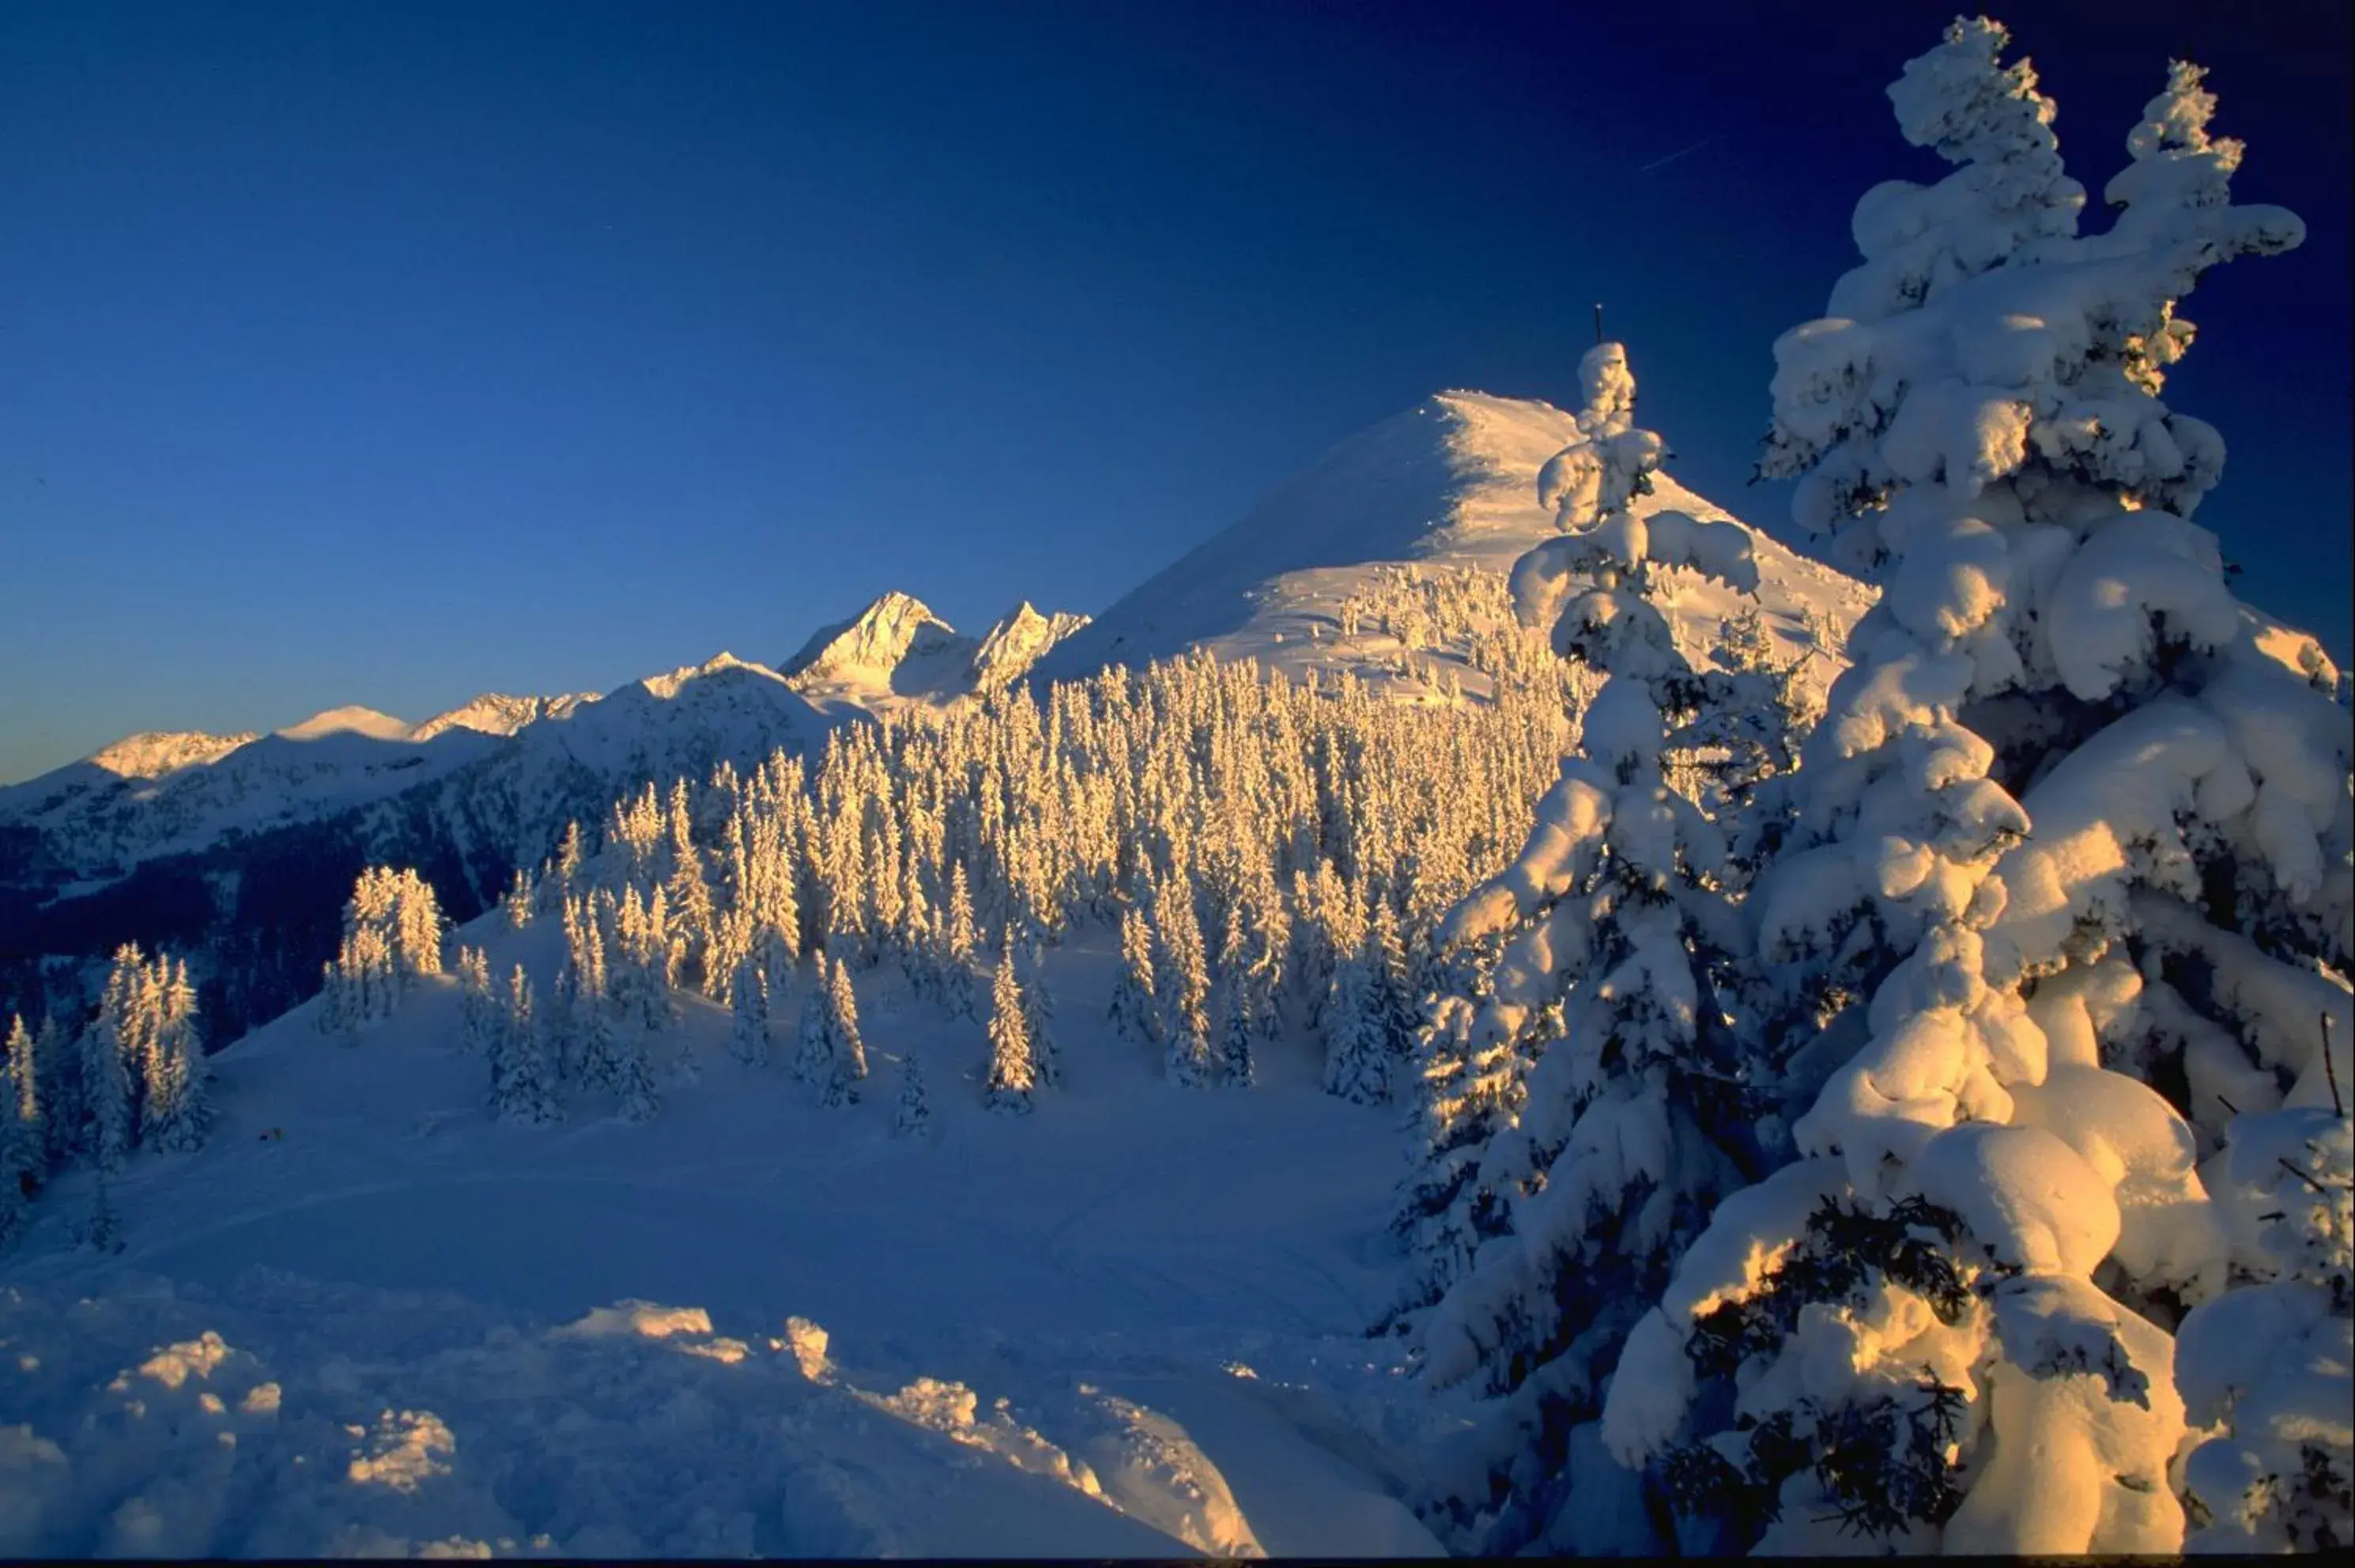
(1325, 571)
(349, 719)
(896, 627)
(1018, 641)
(495, 713)
(897, 653)
(152, 753)
(668, 684)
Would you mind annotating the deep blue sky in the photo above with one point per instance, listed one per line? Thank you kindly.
(388, 354)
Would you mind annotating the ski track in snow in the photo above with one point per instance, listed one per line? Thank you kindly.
(1033, 1319)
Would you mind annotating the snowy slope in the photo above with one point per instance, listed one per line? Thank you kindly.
(1126, 1325)
(1450, 485)
(897, 653)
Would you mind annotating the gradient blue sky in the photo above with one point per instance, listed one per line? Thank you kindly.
(389, 353)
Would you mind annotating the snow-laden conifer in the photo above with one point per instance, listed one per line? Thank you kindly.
(630, 1075)
(522, 900)
(476, 1007)
(912, 1116)
(1012, 1071)
(521, 1087)
(393, 934)
(2000, 971)
(102, 1230)
(1237, 1030)
(1355, 1027)
(813, 1036)
(178, 1100)
(57, 1067)
(747, 1010)
(22, 1154)
(846, 1052)
(688, 906)
(416, 927)
(113, 1058)
(1135, 1011)
(1613, 929)
(1182, 983)
(956, 947)
(1038, 1013)
(1465, 1082)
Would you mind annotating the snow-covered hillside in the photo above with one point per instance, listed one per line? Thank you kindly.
(368, 1318)
(896, 653)
(1447, 488)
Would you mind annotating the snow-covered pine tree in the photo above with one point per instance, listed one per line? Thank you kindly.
(178, 1109)
(1268, 947)
(102, 1230)
(2255, 1366)
(1751, 716)
(1947, 1321)
(1636, 1116)
(846, 1057)
(393, 934)
(687, 902)
(562, 881)
(476, 1008)
(630, 1075)
(1012, 1073)
(956, 949)
(474, 1001)
(1465, 1087)
(1237, 1029)
(56, 1061)
(912, 1117)
(590, 1054)
(1356, 1026)
(748, 1008)
(520, 1090)
(333, 1014)
(1182, 982)
(110, 1052)
(638, 961)
(774, 956)
(1038, 1013)
(1402, 1011)
(22, 1153)
(814, 1039)
(521, 902)
(1135, 1011)
(415, 928)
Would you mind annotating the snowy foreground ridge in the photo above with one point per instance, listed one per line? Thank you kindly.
(867, 1348)
(1489, 1008)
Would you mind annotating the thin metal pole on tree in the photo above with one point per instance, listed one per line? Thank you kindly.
(1598, 323)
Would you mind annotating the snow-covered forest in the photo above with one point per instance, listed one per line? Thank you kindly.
(1906, 1112)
